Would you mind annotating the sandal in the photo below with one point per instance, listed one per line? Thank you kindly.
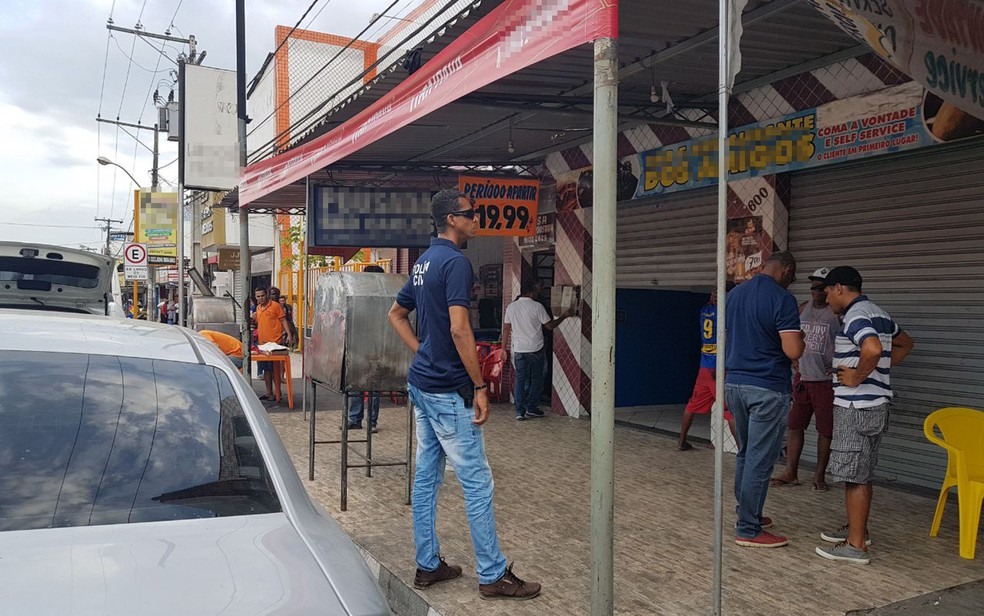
(266, 397)
(820, 486)
(685, 446)
(778, 482)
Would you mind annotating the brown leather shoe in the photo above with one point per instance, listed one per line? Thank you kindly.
(444, 572)
(509, 587)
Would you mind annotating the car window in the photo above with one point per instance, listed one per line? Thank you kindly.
(41, 274)
(92, 439)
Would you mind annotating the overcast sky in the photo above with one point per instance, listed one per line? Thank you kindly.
(52, 58)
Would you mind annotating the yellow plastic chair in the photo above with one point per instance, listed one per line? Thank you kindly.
(963, 438)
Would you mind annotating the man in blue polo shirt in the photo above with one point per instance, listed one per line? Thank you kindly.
(763, 329)
(450, 402)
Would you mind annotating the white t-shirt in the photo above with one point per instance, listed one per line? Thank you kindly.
(526, 316)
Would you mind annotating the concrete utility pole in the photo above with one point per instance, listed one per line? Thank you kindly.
(603, 329)
(244, 264)
(108, 229)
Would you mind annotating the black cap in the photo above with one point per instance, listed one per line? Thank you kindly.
(843, 274)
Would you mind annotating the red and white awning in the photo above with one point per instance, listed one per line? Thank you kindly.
(515, 35)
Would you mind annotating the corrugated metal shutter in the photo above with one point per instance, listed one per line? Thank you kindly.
(667, 243)
(913, 225)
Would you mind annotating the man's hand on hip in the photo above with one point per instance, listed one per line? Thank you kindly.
(481, 407)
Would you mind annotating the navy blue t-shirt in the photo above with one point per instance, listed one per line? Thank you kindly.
(442, 277)
(757, 311)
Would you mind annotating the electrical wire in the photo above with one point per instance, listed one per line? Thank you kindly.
(263, 148)
(32, 224)
(291, 95)
(134, 62)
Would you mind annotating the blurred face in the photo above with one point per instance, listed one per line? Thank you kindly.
(465, 220)
(837, 298)
(261, 298)
(817, 293)
(788, 276)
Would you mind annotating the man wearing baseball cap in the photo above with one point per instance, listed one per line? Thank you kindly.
(867, 346)
(813, 391)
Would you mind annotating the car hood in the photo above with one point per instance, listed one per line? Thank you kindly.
(40, 276)
(254, 564)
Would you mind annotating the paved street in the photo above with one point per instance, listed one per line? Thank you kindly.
(663, 527)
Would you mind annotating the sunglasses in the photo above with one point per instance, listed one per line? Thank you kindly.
(469, 213)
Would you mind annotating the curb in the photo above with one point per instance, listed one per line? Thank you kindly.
(403, 600)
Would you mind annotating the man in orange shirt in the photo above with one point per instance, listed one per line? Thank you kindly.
(232, 347)
(271, 323)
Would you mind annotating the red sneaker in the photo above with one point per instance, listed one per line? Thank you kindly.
(765, 539)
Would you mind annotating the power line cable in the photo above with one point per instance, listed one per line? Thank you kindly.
(31, 224)
(263, 148)
(291, 95)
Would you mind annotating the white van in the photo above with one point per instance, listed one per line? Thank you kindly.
(43, 277)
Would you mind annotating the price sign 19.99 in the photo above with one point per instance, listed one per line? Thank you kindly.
(504, 206)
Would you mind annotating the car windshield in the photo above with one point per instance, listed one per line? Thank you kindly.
(92, 439)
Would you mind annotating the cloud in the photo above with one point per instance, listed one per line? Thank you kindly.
(52, 54)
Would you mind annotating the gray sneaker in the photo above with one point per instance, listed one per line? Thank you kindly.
(844, 551)
(839, 535)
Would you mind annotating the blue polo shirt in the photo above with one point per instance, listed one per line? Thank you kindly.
(442, 277)
(757, 311)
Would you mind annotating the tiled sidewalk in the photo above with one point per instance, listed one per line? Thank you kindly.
(663, 523)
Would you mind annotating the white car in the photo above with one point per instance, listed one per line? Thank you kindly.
(43, 277)
(139, 475)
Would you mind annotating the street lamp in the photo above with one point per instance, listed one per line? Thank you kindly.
(102, 160)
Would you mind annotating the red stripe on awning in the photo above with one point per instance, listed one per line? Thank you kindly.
(515, 35)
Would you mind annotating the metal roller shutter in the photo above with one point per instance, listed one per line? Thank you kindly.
(667, 243)
(913, 225)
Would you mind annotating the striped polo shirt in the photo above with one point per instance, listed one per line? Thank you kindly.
(862, 320)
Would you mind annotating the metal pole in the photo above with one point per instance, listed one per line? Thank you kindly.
(155, 185)
(136, 236)
(603, 328)
(154, 172)
(724, 27)
(181, 255)
(244, 264)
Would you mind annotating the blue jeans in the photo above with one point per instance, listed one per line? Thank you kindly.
(529, 381)
(445, 431)
(760, 421)
(355, 412)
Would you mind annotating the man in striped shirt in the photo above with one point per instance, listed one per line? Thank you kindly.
(865, 350)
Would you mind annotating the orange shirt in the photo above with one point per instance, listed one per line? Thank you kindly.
(226, 343)
(268, 326)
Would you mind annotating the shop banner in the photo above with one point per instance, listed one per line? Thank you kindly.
(939, 43)
(891, 120)
(505, 206)
(513, 36)
(544, 235)
(158, 227)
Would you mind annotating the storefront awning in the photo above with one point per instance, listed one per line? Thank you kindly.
(515, 35)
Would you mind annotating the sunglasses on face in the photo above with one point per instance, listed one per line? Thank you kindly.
(469, 213)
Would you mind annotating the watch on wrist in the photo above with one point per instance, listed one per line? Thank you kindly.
(482, 386)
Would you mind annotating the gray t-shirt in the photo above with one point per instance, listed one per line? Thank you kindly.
(820, 327)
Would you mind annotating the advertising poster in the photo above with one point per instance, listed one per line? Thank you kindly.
(895, 119)
(574, 187)
(158, 227)
(505, 206)
(940, 43)
(758, 223)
